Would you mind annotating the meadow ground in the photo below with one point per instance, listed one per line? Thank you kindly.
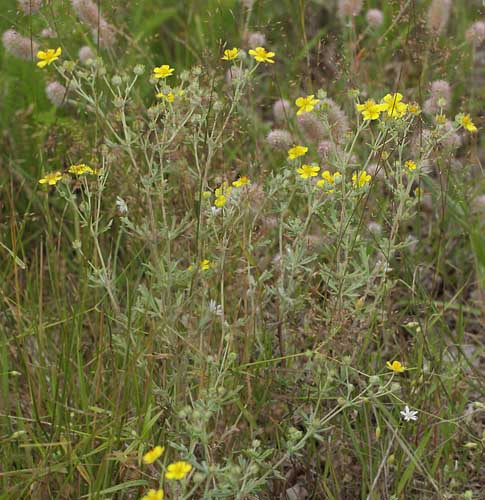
(242, 249)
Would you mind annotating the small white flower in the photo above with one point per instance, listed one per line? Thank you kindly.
(408, 414)
(121, 205)
(216, 210)
(215, 308)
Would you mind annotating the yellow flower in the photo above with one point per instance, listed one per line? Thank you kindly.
(296, 151)
(370, 110)
(52, 178)
(170, 97)
(178, 470)
(81, 169)
(153, 454)
(230, 54)
(307, 171)
(395, 366)
(153, 495)
(440, 119)
(224, 188)
(205, 265)
(261, 55)
(393, 105)
(360, 179)
(414, 108)
(47, 57)
(221, 194)
(306, 104)
(242, 181)
(220, 201)
(466, 122)
(410, 165)
(329, 178)
(162, 71)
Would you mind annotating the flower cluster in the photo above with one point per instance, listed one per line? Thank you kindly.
(83, 169)
(328, 180)
(391, 104)
(52, 178)
(176, 471)
(224, 191)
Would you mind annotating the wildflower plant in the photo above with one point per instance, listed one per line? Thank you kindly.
(230, 271)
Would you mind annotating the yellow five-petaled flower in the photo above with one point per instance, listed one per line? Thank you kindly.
(48, 56)
(230, 54)
(162, 71)
(205, 265)
(150, 456)
(242, 181)
(178, 470)
(393, 105)
(153, 495)
(306, 104)
(370, 110)
(307, 171)
(466, 122)
(328, 178)
(296, 151)
(395, 366)
(410, 165)
(262, 55)
(51, 178)
(360, 179)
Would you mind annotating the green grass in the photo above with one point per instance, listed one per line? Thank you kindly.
(110, 345)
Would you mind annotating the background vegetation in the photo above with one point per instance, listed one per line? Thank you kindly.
(264, 367)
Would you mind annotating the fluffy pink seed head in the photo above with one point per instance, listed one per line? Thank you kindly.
(421, 142)
(438, 15)
(56, 93)
(337, 119)
(19, 46)
(234, 73)
(85, 53)
(430, 107)
(324, 149)
(48, 33)
(282, 111)
(349, 8)
(105, 35)
(29, 6)
(452, 139)
(374, 18)
(475, 34)
(441, 89)
(256, 39)
(280, 139)
(311, 127)
(87, 11)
